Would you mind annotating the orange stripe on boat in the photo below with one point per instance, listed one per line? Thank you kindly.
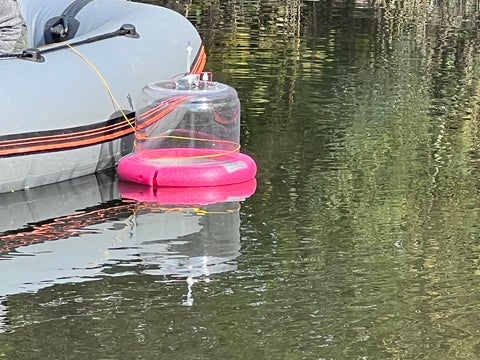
(71, 138)
(64, 136)
(200, 62)
(64, 139)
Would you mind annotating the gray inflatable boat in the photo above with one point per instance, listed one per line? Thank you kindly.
(63, 100)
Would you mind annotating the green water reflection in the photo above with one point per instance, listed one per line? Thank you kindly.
(362, 240)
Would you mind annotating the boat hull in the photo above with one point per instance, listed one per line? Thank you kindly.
(65, 117)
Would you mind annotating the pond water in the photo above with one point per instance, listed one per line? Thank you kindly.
(362, 240)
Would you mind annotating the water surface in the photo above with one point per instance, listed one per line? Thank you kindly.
(360, 242)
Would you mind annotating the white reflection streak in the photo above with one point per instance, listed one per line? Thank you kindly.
(189, 299)
(3, 316)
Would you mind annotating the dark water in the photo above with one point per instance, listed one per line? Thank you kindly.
(361, 241)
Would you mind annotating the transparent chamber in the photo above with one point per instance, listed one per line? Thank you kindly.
(187, 134)
(193, 118)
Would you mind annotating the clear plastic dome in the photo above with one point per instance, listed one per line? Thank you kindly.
(187, 135)
(190, 113)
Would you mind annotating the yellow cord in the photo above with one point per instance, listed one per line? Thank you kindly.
(110, 93)
(235, 150)
(154, 208)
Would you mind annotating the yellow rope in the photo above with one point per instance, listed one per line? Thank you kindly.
(151, 207)
(236, 149)
(114, 100)
(105, 84)
(203, 212)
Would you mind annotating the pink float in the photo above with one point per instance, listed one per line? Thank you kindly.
(165, 167)
(187, 134)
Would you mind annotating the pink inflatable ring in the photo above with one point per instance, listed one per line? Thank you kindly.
(186, 167)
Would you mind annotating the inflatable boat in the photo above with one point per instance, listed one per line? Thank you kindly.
(68, 100)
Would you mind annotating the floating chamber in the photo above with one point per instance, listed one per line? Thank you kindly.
(187, 133)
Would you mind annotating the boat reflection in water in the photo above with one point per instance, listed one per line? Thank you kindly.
(92, 227)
